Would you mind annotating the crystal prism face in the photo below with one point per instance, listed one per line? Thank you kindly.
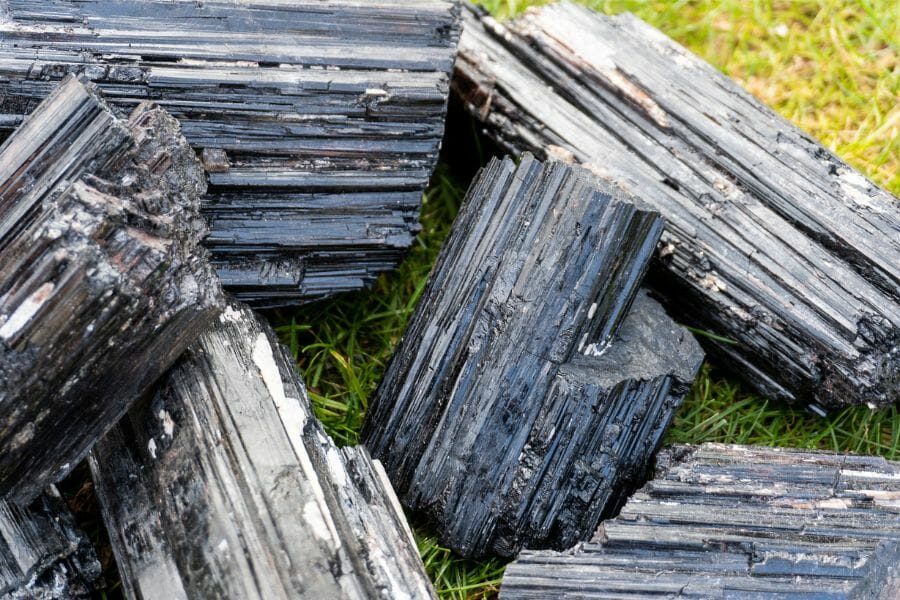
(103, 279)
(319, 123)
(723, 521)
(45, 554)
(242, 494)
(782, 251)
(534, 379)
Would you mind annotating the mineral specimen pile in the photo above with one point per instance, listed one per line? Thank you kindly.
(785, 253)
(528, 393)
(319, 121)
(43, 554)
(737, 522)
(224, 485)
(103, 281)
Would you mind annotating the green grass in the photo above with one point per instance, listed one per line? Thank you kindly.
(830, 66)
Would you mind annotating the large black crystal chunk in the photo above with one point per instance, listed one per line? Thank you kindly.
(528, 392)
(319, 121)
(788, 255)
(103, 281)
(223, 484)
(736, 522)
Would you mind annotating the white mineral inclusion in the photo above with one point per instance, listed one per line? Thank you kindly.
(168, 423)
(868, 475)
(230, 315)
(26, 311)
(313, 517)
(336, 466)
(856, 187)
(292, 415)
(151, 446)
(293, 418)
(268, 369)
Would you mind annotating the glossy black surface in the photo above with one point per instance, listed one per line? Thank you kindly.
(782, 250)
(43, 553)
(736, 522)
(319, 120)
(493, 420)
(103, 281)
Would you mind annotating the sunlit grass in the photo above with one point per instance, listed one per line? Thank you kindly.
(831, 67)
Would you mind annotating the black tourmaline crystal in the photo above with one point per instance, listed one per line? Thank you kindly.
(737, 522)
(224, 485)
(788, 255)
(103, 281)
(531, 387)
(318, 121)
(43, 553)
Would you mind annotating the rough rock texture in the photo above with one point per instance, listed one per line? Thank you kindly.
(525, 398)
(319, 121)
(737, 522)
(43, 554)
(224, 485)
(103, 282)
(771, 241)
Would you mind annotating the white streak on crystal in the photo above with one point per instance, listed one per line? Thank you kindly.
(25, 311)
(293, 419)
(168, 423)
(336, 466)
(868, 475)
(230, 315)
(313, 517)
(265, 362)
